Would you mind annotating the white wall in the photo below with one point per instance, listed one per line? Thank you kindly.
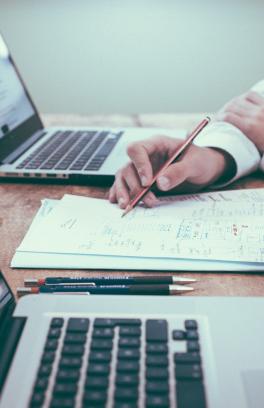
(103, 56)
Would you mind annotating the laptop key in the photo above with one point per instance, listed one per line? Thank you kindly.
(127, 322)
(187, 358)
(157, 360)
(193, 345)
(157, 373)
(126, 394)
(127, 380)
(128, 354)
(103, 333)
(161, 401)
(100, 356)
(57, 322)
(133, 342)
(70, 362)
(157, 348)
(65, 389)
(37, 399)
(67, 375)
(41, 384)
(62, 402)
(94, 397)
(191, 324)
(51, 344)
(179, 335)
(104, 322)
(96, 382)
(190, 394)
(44, 370)
(72, 349)
(130, 331)
(48, 357)
(192, 335)
(78, 325)
(157, 387)
(54, 333)
(188, 372)
(75, 338)
(125, 404)
(102, 344)
(98, 369)
(157, 330)
(127, 366)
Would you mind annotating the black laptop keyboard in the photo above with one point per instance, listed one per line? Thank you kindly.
(81, 150)
(119, 363)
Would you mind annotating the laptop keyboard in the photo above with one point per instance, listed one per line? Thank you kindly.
(81, 150)
(120, 363)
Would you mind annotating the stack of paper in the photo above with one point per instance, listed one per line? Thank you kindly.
(209, 231)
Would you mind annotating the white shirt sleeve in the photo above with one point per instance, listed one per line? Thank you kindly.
(224, 136)
(227, 137)
(259, 88)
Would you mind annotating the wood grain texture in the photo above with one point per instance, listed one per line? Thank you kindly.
(20, 202)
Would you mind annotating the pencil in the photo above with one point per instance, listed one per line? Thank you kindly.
(171, 160)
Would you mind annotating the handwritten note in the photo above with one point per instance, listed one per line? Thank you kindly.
(225, 226)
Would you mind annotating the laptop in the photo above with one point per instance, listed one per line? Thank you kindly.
(30, 151)
(131, 351)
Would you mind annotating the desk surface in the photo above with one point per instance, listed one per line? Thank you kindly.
(19, 203)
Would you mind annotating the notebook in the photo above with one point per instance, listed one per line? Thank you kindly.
(203, 232)
(30, 151)
(130, 351)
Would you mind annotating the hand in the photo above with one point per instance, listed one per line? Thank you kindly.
(246, 112)
(198, 167)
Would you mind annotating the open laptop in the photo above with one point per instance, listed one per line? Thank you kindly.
(131, 351)
(28, 150)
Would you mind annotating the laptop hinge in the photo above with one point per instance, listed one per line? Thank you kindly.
(10, 336)
(23, 147)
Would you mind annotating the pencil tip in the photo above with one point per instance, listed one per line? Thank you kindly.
(127, 209)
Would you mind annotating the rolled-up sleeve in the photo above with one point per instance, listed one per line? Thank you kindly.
(224, 136)
(259, 88)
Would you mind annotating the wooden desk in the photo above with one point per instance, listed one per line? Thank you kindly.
(19, 203)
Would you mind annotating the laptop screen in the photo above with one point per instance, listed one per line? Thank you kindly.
(18, 115)
(15, 106)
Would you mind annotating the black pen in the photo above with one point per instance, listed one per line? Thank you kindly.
(108, 290)
(109, 280)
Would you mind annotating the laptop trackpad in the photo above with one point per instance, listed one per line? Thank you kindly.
(253, 381)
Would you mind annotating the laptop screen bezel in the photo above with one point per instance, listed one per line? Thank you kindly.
(26, 129)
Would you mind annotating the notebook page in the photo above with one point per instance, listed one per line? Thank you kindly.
(80, 225)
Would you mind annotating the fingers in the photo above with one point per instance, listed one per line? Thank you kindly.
(139, 153)
(231, 117)
(142, 155)
(255, 98)
(126, 186)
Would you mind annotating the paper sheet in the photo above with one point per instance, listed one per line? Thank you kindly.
(217, 226)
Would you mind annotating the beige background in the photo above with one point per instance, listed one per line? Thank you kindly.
(105, 56)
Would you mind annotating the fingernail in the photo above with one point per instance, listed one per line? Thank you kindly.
(121, 202)
(144, 180)
(164, 182)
